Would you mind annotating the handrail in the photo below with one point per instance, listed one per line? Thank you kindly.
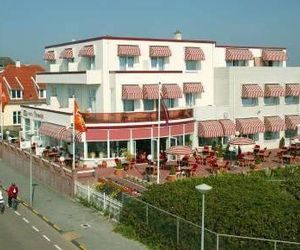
(126, 117)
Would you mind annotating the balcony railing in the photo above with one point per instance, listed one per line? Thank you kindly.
(124, 117)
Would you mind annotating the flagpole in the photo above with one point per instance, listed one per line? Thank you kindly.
(73, 134)
(158, 135)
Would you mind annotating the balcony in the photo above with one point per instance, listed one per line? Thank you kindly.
(75, 77)
(93, 118)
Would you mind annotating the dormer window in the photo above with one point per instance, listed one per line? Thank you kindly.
(16, 94)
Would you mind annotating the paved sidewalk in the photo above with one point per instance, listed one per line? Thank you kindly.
(69, 215)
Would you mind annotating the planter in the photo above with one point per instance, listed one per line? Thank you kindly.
(171, 178)
(257, 167)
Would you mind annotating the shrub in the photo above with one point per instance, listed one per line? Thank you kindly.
(250, 205)
(172, 170)
(281, 142)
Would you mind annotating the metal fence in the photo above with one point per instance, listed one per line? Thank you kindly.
(182, 231)
(101, 201)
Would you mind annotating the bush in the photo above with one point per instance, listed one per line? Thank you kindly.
(281, 142)
(251, 205)
(172, 170)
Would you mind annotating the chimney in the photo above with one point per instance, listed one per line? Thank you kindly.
(177, 35)
(18, 63)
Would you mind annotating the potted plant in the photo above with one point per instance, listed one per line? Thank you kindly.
(172, 174)
(258, 163)
(119, 171)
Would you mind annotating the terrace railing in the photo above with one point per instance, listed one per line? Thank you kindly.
(150, 116)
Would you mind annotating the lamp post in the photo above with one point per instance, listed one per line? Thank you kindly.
(203, 189)
(30, 169)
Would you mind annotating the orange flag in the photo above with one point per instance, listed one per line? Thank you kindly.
(78, 119)
(3, 98)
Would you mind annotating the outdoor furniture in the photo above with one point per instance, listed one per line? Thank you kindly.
(249, 160)
(151, 170)
(286, 158)
(186, 171)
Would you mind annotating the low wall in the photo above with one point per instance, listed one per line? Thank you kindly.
(51, 174)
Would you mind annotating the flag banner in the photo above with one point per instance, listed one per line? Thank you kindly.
(164, 111)
(78, 119)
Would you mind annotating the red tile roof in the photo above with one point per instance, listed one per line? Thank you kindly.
(22, 78)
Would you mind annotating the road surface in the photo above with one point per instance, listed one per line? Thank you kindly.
(23, 230)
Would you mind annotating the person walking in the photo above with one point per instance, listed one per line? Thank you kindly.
(12, 193)
(2, 203)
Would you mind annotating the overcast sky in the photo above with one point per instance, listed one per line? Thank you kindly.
(26, 26)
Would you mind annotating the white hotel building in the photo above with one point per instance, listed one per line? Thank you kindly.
(212, 91)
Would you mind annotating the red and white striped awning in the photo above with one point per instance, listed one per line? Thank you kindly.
(274, 90)
(179, 150)
(250, 126)
(160, 51)
(129, 50)
(171, 91)
(228, 126)
(292, 89)
(193, 87)
(132, 92)
(87, 51)
(252, 91)
(58, 132)
(194, 54)
(292, 121)
(274, 55)
(274, 123)
(67, 54)
(210, 129)
(240, 141)
(238, 54)
(49, 55)
(150, 91)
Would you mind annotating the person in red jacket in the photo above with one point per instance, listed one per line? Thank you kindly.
(12, 192)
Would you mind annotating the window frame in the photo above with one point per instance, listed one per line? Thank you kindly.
(42, 93)
(126, 65)
(126, 105)
(149, 101)
(16, 94)
(155, 63)
(17, 117)
(190, 99)
(268, 135)
(294, 102)
(197, 65)
(254, 102)
(275, 100)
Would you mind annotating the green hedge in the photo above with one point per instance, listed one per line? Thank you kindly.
(256, 205)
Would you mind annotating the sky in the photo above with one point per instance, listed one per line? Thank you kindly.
(27, 26)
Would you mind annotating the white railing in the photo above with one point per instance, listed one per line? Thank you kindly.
(101, 201)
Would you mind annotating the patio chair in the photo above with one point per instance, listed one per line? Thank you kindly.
(194, 169)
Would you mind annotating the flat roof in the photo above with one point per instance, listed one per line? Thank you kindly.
(107, 37)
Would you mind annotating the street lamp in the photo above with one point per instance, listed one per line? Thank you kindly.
(30, 169)
(203, 189)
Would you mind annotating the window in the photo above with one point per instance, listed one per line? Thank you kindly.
(254, 137)
(37, 125)
(16, 94)
(271, 100)
(248, 102)
(27, 125)
(170, 103)
(148, 104)
(42, 93)
(97, 149)
(238, 63)
(273, 63)
(291, 100)
(192, 65)
(209, 141)
(190, 99)
(92, 99)
(118, 148)
(16, 117)
(290, 133)
(126, 62)
(271, 135)
(158, 63)
(128, 105)
(71, 92)
(53, 91)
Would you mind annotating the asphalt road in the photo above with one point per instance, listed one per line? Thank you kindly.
(23, 230)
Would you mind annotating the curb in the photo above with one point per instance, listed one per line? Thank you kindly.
(45, 219)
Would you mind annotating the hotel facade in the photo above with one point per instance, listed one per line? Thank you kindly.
(212, 92)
